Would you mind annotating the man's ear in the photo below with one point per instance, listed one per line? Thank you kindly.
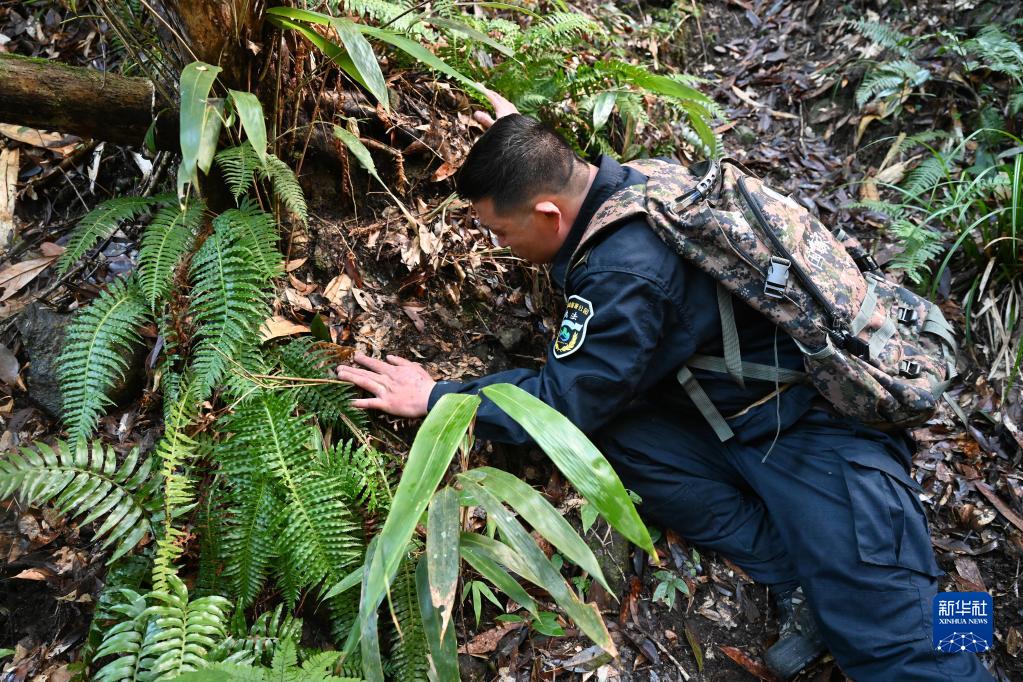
(548, 213)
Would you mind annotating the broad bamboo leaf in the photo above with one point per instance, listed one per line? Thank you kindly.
(602, 108)
(585, 616)
(443, 647)
(472, 33)
(369, 637)
(496, 551)
(442, 552)
(576, 457)
(250, 111)
(363, 58)
(434, 447)
(348, 582)
(333, 51)
(480, 560)
(356, 146)
(418, 51)
(542, 516)
(200, 119)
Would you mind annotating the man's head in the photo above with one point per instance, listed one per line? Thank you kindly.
(526, 184)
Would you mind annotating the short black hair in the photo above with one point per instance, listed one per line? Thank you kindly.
(517, 159)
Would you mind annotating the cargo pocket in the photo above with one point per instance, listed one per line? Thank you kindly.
(891, 528)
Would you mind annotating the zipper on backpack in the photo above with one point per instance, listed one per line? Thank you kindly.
(804, 279)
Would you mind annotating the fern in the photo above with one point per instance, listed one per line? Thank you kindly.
(285, 185)
(239, 165)
(315, 533)
(363, 479)
(307, 358)
(994, 50)
(558, 26)
(886, 36)
(926, 175)
(100, 223)
(228, 304)
(890, 78)
(124, 640)
(284, 668)
(96, 355)
(260, 643)
(248, 541)
(166, 240)
(176, 451)
(86, 482)
(257, 231)
(181, 632)
(920, 244)
(409, 657)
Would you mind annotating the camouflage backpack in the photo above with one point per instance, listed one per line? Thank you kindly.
(875, 350)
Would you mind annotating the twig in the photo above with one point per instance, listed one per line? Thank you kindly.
(664, 650)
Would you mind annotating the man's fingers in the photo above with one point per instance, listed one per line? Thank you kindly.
(368, 381)
(369, 404)
(398, 360)
(484, 119)
(374, 364)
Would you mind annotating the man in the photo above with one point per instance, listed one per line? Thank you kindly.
(829, 519)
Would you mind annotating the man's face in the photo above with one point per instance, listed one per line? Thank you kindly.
(530, 233)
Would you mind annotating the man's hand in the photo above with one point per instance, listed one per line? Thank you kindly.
(502, 107)
(399, 387)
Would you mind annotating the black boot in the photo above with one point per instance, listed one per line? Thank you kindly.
(799, 640)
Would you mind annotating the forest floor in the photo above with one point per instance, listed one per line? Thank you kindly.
(446, 297)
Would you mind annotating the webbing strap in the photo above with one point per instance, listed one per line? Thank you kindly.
(880, 338)
(937, 324)
(702, 402)
(730, 336)
(750, 370)
(866, 310)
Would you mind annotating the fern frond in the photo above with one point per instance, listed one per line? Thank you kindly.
(284, 668)
(920, 245)
(995, 50)
(887, 208)
(176, 450)
(167, 238)
(96, 355)
(239, 165)
(86, 482)
(408, 658)
(267, 440)
(363, 479)
(124, 641)
(248, 540)
(558, 26)
(100, 223)
(260, 644)
(228, 305)
(317, 532)
(925, 176)
(285, 186)
(890, 78)
(885, 35)
(257, 231)
(182, 632)
(305, 357)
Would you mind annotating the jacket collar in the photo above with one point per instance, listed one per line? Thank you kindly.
(610, 177)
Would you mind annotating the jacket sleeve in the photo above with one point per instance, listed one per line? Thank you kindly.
(605, 370)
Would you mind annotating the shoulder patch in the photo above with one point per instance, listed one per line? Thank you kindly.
(573, 327)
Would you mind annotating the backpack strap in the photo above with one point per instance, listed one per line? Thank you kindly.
(730, 336)
(702, 402)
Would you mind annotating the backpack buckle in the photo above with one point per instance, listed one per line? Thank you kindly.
(866, 263)
(856, 346)
(906, 314)
(777, 277)
(909, 368)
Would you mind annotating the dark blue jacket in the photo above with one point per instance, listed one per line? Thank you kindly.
(650, 312)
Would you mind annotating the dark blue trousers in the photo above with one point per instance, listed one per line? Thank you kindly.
(833, 508)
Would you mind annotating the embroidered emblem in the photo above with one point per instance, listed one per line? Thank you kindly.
(573, 328)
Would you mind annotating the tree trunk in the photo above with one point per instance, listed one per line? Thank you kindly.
(52, 96)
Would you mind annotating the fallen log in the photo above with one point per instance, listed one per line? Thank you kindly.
(49, 95)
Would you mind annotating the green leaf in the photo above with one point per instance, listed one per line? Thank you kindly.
(250, 111)
(541, 515)
(576, 457)
(442, 552)
(439, 437)
(443, 649)
(585, 616)
(501, 579)
(365, 61)
(602, 108)
(459, 27)
(418, 51)
(348, 582)
(200, 120)
(355, 145)
(480, 546)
